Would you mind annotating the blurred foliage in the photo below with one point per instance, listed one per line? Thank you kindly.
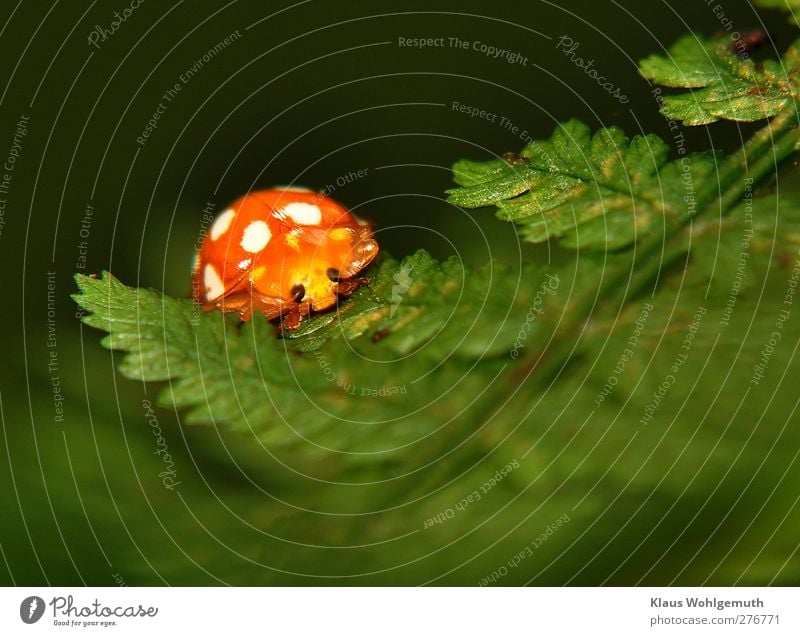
(792, 6)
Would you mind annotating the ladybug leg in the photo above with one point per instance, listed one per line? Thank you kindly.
(291, 319)
(348, 286)
(294, 316)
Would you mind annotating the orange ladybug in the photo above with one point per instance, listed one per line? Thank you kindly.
(283, 252)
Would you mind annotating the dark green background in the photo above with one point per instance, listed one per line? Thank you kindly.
(299, 98)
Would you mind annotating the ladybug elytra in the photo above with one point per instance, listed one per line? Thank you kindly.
(282, 252)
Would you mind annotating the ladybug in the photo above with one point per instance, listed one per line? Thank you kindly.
(283, 252)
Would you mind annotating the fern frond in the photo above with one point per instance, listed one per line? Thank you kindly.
(600, 191)
(724, 85)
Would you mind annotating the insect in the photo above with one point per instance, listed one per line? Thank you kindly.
(748, 42)
(283, 252)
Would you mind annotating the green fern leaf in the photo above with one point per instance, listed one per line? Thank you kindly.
(438, 324)
(724, 86)
(593, 191)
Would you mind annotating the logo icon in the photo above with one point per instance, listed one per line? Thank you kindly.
(403, 280)
(31, 609)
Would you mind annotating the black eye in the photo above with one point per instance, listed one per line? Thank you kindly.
(333, 274)
(298, 291)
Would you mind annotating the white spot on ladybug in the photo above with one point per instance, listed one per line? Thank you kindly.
(214, 285)
(303, 213)
(245, 263)
(256, 237)
(221, 224)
